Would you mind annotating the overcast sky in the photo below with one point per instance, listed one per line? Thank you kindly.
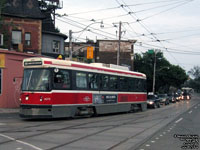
(173, 26)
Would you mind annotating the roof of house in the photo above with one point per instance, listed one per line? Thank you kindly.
(22, 9)
(56, 33)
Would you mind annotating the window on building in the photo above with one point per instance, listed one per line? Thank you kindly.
(0, 81)
(16, 37)
(81, 80)
(27, 39)
(56, 46)
(1, 39)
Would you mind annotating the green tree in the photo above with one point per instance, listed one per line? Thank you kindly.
(167, 75)
(195, 81)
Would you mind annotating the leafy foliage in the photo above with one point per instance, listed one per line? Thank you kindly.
(195, 82)
(167, 75)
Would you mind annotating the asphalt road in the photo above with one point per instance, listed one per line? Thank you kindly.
(127, 131)
(182, 133)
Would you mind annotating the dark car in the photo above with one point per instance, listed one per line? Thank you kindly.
(153, 101)
(186, 95)
(164, 99)
(172, 98)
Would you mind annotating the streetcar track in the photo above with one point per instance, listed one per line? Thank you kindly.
(94, 120)
(101, 131)
(65, 128)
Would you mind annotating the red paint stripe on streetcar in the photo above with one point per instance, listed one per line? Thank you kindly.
(48, 62)
(103, 69)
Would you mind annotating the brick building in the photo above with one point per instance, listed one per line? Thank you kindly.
(21, 26)
(11, 73)
(106, 52)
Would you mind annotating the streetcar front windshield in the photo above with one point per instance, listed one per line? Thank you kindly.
(36, 80)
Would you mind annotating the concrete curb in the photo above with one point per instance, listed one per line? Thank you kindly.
(9, 110)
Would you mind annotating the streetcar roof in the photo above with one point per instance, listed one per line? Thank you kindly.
(38, 62)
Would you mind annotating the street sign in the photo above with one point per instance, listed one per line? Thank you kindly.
(90, 50)
(151, 51)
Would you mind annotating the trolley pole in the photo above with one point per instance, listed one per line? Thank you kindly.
(119, 42)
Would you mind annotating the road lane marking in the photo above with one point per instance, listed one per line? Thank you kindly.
(190, 112)
(10, 138)
(13, 139)
(152, 141)
(177, 121)
(37, 148)
(195, 107)
(157, 138)
(148, 145)
(2, 124)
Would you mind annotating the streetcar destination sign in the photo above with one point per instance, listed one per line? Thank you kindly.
(32, 63)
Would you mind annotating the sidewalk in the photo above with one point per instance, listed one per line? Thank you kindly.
(8, 110)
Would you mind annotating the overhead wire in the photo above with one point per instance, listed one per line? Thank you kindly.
(144, 26)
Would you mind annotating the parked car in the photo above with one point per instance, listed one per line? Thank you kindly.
(186, 95)
(178, 97)
(172, 98)
(153, 101)
(164, 99)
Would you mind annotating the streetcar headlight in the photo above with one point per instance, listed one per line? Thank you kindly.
(27, 98)
(41, 98)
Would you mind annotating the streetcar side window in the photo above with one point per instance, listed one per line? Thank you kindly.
(104, 82)
(81, 80)
(62, 80)
(139, 85)
(123, 83)
(93, 81)
(113, 82)
(132, 84)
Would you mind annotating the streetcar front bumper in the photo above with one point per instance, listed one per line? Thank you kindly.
(35, 111)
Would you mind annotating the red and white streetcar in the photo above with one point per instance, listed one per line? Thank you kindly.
(55, 88)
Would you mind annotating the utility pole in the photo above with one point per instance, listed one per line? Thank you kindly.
(154, 72)
(70, 44)
(70, 37)
(118, 52)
